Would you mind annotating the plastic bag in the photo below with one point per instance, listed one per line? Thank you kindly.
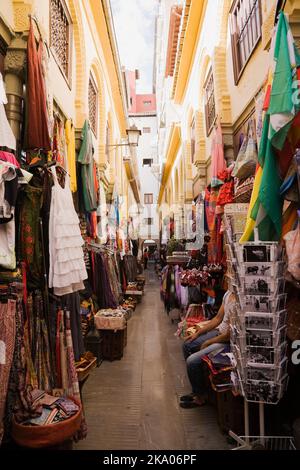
(292, 243)
(247, 158)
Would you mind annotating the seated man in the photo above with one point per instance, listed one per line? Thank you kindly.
(209, 337)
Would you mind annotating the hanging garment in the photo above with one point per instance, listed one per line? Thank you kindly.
(86, 160)
(36, 130)
(9, 157)
(71, 154)
(17, 378)
(101, 282)
(67, 268)
(218, 164)
(59, 143)
(29, 246)
(73, 385)
(7, 345)
(72, 303)
(8, 191)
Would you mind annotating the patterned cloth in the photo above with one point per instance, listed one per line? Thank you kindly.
(7, 346)
(37, 130)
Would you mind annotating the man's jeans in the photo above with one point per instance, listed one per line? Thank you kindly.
(194, 346)
(194, 362)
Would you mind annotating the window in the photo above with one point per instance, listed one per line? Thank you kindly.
(60, 35)
(146, 130)
(148, 198)
(210, 105)
(193, 141)
(246, 32)
(93, 105)
(148, 221)
(147, 161)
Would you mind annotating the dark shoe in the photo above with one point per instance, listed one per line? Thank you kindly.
(190, 404)
(187, 398)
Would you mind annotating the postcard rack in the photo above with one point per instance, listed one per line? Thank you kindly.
(258, 325)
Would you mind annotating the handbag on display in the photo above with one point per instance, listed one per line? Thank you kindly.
(243, 190)
(247, 158)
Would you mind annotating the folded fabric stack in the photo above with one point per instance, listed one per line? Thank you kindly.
(110, 319)
(50, 409)
(129, 303)
(132, 286)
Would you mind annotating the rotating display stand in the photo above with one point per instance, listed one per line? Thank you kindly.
(258, 330)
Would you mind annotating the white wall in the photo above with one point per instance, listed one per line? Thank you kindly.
(149, 181)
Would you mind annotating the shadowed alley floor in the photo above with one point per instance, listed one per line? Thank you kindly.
(133, 403)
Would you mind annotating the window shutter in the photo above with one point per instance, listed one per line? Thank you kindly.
(235, 56)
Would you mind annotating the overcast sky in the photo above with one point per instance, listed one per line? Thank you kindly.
(134, 24)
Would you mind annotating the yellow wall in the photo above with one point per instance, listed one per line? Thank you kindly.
(7, 13)
(91, 50)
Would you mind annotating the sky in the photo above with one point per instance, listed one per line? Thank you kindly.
(135, 28)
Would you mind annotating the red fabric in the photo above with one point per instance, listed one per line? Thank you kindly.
(195, 320)
(226, 194)
(96, 183)
(37, 132)
(93, 219)
(9, 158)
(267, 98)
(285, 156)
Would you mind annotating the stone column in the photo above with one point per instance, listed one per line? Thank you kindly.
(202, 174)
(14, 67)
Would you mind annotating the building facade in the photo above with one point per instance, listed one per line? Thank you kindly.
(208, 73)
(85, 79)
(142, 113)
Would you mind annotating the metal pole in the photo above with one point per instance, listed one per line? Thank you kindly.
(262, 422)
(246, 417)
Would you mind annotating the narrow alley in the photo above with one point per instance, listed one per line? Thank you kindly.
(133, 403)
(149, 227)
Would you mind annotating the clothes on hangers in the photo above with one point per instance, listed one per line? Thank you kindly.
(86, 161)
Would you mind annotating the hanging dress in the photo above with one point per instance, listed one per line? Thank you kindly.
(67, 268)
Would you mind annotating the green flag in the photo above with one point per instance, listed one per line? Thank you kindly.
(282, 110)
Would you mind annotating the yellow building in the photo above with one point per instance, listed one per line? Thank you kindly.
(85, 78)
(212, 71)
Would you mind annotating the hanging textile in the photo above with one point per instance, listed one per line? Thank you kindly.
(17, 379)
(101, 280)
(29, 245)
(218, 164)
(71, 154)
(73, 386)
(59, 143)
(86, 160)
(71, 303)
(36, 131)
(7, 344)
(67, 268)
(265, 211)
